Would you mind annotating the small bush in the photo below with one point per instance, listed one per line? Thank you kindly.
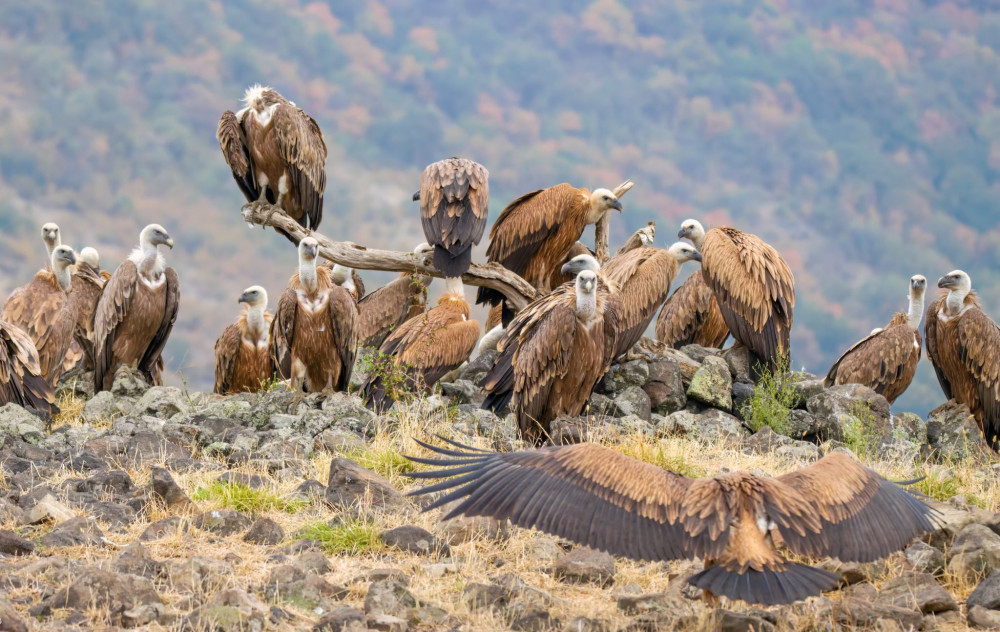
(395, 377)
(772, 401)
(862, 431)
(247, 500)
(352, 536)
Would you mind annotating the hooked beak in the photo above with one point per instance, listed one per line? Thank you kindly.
(416, 196)
(681, 234)
(169, 243)
(69, 257)
(944, 282)
(244, 298)
(617, 205)
(696, 256)
(589, 286)
(568, 268)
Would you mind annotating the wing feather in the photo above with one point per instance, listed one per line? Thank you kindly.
(283, 330)
(978, 344)
(884, 361)
(233, 142)
(931, 340)
(226, 350)
(343, 314)
(301, 146)
(111, 309)
(454, 204)
(151, 363)
(643, 276)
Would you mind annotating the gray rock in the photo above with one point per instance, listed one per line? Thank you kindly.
(866, 614)
(729, 621)
(147, 447)
(163, 528)
(198, 575)
(699, 353)
(135, 560)
(386, 623)
(222, 522)
(919, 591)
(74, 532)
(308, 592)
(536, 621)
(128, 382)
(478, 597)
(12, 545)
(984, 618)
(585, 566)
(621, 376)
(599, 404)
(806, 389)
(10, 620)
(924, 558)
(163, 402)
(349, 413)
(804, 425)
(112, 592)
(856, 572)
(251, 481)
(802, 453)
(413, 539)
(47, 509)
(166, 489)
(665, 387)
(264, 531)
(543, 549)
(854, 409)
(352, 485)
(231, 610)
(460, 391)
(342, 619)
(742, 395)
(708, 425)
(632, 400)
(647, 603)
(584, 624)
(712, 384)
(976, 552)
(313, 562)
(954, 434)
(765, 440)
(737, 359)
(909, 426)
(19, 423)
(479, 366)
(987, 593)
(389, 597)
(463, 529)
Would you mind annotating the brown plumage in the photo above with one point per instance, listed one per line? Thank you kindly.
(886, 360)
(425, 348)
(642, 237)
(88, 284)
(277, 155)
(535, 232)
(136, 312)
(595, 496)
(454, 204)
(388, 307)
(314, 331)
(243, 361)
(553, 353)
(692, 316)
(45, 311)
(754, 287)
(558, 275)
(963, 344)
(21, 379)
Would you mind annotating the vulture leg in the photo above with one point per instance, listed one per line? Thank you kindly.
(252, 207)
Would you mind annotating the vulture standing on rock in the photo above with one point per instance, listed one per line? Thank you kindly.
(692, 316)
(21, 379)
(277, 155)
(243, 351)
(454, 203)
(963, 344)
(424, 348)
(136, 312)
(754, 287)
(88, 284)
(886, 360)
(314, 332)
(45, 310)
(391, 305)
(600, 498)
(553, 353)
(535, 232)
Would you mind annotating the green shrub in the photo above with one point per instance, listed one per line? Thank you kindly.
(772, 401)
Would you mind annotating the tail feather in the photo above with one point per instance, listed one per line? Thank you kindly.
(768, 587)
(452, 265)
(38, 394)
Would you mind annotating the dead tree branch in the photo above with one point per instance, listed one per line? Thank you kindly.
(602, 229)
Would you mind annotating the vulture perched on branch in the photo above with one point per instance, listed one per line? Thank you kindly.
(600, 498)
(136, 312)
(314, 334)
(21, 379)
(963, 344)
(423, 349)
(45, 310)
(692, 316)
(886, 359)
(553, 353)
(454, 204)
(243, 352)
(391, 305)
(534, 234)
(277, 155)
(754, 287)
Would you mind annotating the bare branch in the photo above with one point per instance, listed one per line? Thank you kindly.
(602, 229)
(492, 275)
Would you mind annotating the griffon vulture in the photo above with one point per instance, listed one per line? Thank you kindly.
(454, 203)
(314, 332)
(535, 232)
(243, 352)
(21, 379)
(692, 316)
(347, 278)
(391, 305)
(92, 258)
(886, 359)
(754, 286)
(425, 348)
(136, 311)
(597, 497)
(553, 353)
(88, 284)
(963, 344)
(277, 155)
(52, 239)
(44, 309)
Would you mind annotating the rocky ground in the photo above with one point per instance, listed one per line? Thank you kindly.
(156, 508)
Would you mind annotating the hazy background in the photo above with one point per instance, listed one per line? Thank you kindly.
(860, 138)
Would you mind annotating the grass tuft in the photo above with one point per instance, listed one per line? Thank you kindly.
(352, 536)
(247, 500)
(772, 402)
(384, 459)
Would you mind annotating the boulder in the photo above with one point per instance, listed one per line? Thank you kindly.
(909, 426)
(105, 406)
(976, 552)
(621, 376)
(852, 408)
(737, 358)
(12, 545)
(632, 400)
(742, 396)
(665, 387)
(924, 558)
(147, 447)
(802, 424)
(166, 489)
(17, 422)
(222, 522)
(10, 620)
(954, 434)
(585, 566)
(264, 531)
(136, 560)
(111, 592)
(351, 485)
(389, 597)
(712, 384)
(342, 619)
(231, 610)
(987, 593)
(163, 402)
(708, 425)
(984, 618)
(413, 539)
(919, 591)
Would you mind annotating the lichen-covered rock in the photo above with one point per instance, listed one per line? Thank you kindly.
(128, 382)
(665, 387)
(163, 402)
(804, 425)
(909, 426)
(621, 376)
(461, 391)
(231, 610)
(699, 353)
(351, 485)
(111, 592)
(987, 593)
(766, 440)
(708, 425)
(389, 597)
(954, 434)
(737, 358)
(852, 408)
(919, 591)
(712, 384)
(19, 423)
(924, 558)
(632, 400)
(222, 522)
(976, 552)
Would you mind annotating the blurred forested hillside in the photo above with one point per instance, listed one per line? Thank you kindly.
(860, 137)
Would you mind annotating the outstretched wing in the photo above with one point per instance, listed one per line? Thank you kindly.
(301, 146)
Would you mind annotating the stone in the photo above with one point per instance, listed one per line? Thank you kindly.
(49, 509)
(389, 597)
(729, 621)
(166, 489)
(712, 384)
(413, 539)
(222, 522)
(585, 566)
(348, 412)
(17, 422)
(855, 572)
(909, 426)
(653, 602)
(543, 549)
(478, 597)
(865, 614)
(198, 575)
(585, 624)
(77, 531)
(135, 560)
(313, 562)
(112, 592)
(987, 593)
(147, 447)
(10, 621)
(737, 359)
(163, 402)
(460, 391)
(569, 430)
(954, 434)
(264, 531)
(708, 425)
(229, 610)
(386, 623)
(924, 558)
(852, 408)
(805, 389)
(742, 394)
(311, 592)
(251, 481)
(802, 424)
(163, 528)
(351, 485)
(621, 376)
(632, 400)
(463, 529)
(975, 552)
(13, 545)
(917, 590)
(340, 620)
(665, 387)
(984, 618)
(536, 621)
(699, 353)
(128, 382)
(765, 440)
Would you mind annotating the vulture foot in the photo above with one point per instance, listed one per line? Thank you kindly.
(248, 210)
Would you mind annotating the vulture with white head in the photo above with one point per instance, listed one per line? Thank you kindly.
(886, 359)
(754, 287)
(92, 258)
(454, 200)
(277, 155)
(391, 305)
(963, 344)
(52, 238)
(136, 312)
(243, 361)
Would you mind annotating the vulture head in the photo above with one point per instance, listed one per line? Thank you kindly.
(62, 258)
(308, 249)
(254, 296)
(155, 235)
(684, 252)
(586, 293)
(918, 283)
(693, 230)
(258, 98)
(579, 263)
(91, 257)
(956, 281)
(50, 235)
(602, 201)
(423, 251)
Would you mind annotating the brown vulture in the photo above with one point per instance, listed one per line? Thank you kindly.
(692, 316)
(277, 155)
(314, 332)
(45, 310)
(600, 498)
(136, 312)
(21, 379)
(754, 287)
(643, 276)
(424, 348)
(91, 257)
(963, 344)
(553, 353)
(243, 361)
(52, 238)
(535, 232)
(886, 359)
(454, 204)
(347, 278)
(88, 284)
(391, 305)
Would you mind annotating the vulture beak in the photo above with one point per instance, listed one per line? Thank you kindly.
(589, 286)
(69, 257)
(944, 282)
(244, 298)
(416, 196)
(696, 256)
(681, 234)
(568, 268)
(169, 243)
(617, 205)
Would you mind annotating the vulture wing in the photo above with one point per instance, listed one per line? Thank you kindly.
(837, 507)
(879, 360)
(586, 493)
(931, 339)
(38, 309)
(85, 294)
(343, 313)
(978, 341)
(227, 347)
(689, 310)
(233, 141)
(151, 364)
(303, 150)
(20, 373)
(643, 277)
(454, 204)
(385, 309)
(283, 331)
(111, 309)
